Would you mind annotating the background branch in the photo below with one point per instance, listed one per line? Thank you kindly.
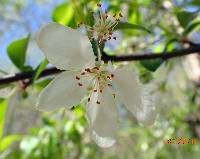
(105, 57)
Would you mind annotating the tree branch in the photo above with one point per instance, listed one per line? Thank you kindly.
(105, 57)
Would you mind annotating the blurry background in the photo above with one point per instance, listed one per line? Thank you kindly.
(26, 133)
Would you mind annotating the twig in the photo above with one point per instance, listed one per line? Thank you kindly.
(105, 57)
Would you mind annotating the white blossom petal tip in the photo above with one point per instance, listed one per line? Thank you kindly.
(103, 142)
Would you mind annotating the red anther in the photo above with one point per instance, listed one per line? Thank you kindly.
(114, 95)
(89, 99)
(120, 14)
(110, 33)
(98, 5)
(98, 102)
(78, 78)
(101, 90)
(108, 77)
(104, 40)
(87, 70)
(100, 43)
(83, 73)
(100, 36)
(114, 38)
(112, 75)
(109, 38)
(96, 68)
(80, 84)
(110, 85)
(95, 90)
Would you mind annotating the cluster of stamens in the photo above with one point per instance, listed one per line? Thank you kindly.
(100, 80)
(102, 30)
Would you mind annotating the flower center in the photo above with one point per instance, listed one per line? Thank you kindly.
(102, 30)
(100, 79)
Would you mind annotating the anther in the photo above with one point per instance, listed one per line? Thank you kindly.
(110, 85)
(87, 70)
(78, 78)
(114, 38)
(101, 90)
(112, 75)
(108, 77)
(80, 84)
(98, 5)
(89, 99)
(120, 14)
(95, 90)
(104, 40)
(96, 68)
(114, 95)
(83, 73)
(114, 15)
(98, 102)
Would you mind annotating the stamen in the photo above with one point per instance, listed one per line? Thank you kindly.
(120, 14)
(80, 84)
(110, 85)
(95, 90)
(114, 95)
(78, 78)
(96, 68)
(98, 4)
(101, 90)
(98, 102)
(114, 38)
(108, 77)
(112, 75)
(89, 99)
(83, 73)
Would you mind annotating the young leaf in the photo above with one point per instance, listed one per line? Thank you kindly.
(191, 27)
(63, 14)
(125, 25)
(3, 107)
(185, 17)
(17, 52)
(151, 65)
(7, 141)
(39, 69)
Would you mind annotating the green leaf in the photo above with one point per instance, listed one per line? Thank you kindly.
(7, 141)
(63, 13)
(39, 69)
(191, 27)
(195, 2)
(151, 65)
(125, 25)
(79, 12)
(185, 17)
(17, 52)
(90, 18)
(3, 108)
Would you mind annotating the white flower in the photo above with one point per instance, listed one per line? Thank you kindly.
(69, 50)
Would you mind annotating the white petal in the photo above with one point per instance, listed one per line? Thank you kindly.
(63, 91)
(65, 47)
(103, 118)
(133, 96)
